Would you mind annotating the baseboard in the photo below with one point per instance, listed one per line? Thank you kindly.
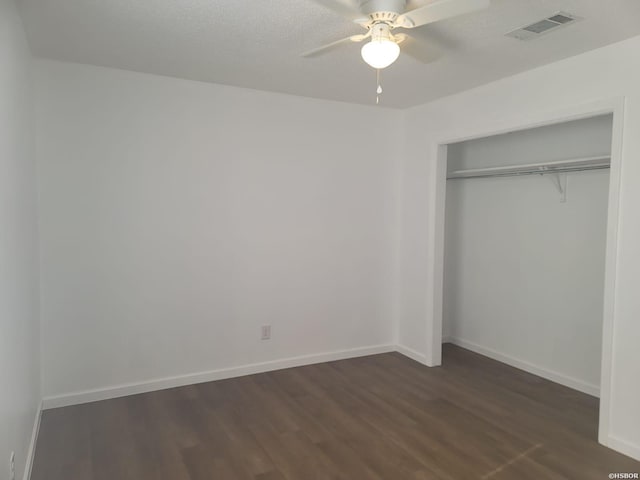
(446, 339)
(32, 444)
(209, 376)
(570, 382)
(624, 447)
(412, 354)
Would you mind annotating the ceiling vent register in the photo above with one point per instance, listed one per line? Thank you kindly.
(543, 26)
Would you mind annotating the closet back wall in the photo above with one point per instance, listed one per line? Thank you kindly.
(524, 273)
(179, 217)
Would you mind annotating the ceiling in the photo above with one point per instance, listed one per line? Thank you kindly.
(257, 43)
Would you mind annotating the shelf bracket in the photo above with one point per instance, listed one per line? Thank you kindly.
(560, 182)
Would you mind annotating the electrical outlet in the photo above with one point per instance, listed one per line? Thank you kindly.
(12, 466)
(266, 332)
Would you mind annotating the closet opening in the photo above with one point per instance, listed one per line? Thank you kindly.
(526, 249)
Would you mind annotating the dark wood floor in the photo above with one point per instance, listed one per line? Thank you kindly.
(371, 418)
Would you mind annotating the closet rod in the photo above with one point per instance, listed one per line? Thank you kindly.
(562, 166)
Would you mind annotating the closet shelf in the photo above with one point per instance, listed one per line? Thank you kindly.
(561, 166)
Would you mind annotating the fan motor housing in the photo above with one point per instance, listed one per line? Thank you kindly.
(371, 7)
(383, 17)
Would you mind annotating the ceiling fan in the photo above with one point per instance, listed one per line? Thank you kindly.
(383, 17)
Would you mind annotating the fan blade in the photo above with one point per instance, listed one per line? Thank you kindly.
(436, 36)
(345, 8)
(416, 49)
(439, 10)
(332, 45)
(362, 21)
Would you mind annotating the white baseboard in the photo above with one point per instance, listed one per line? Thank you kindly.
(623, 447)
(446, 339)
(32, 444)
(412, 354)
(560, 378)
(201, 377)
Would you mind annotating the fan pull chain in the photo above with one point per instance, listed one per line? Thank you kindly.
(379, 89)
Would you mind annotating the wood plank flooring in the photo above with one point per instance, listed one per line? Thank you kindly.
(382, 417)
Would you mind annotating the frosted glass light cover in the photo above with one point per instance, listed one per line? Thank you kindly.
(380, 53)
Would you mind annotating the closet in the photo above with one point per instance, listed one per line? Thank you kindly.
(525, 232)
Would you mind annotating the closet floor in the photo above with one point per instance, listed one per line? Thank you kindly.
(370, 418)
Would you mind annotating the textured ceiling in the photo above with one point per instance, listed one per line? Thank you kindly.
(256, 43)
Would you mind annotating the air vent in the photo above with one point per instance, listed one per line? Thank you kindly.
(543, 26)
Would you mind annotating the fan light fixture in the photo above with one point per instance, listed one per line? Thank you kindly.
(382, 50)
(380, 53)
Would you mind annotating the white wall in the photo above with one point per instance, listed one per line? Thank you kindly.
(19, 344)
(178, 217)
(613, 71)
(524, 273)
